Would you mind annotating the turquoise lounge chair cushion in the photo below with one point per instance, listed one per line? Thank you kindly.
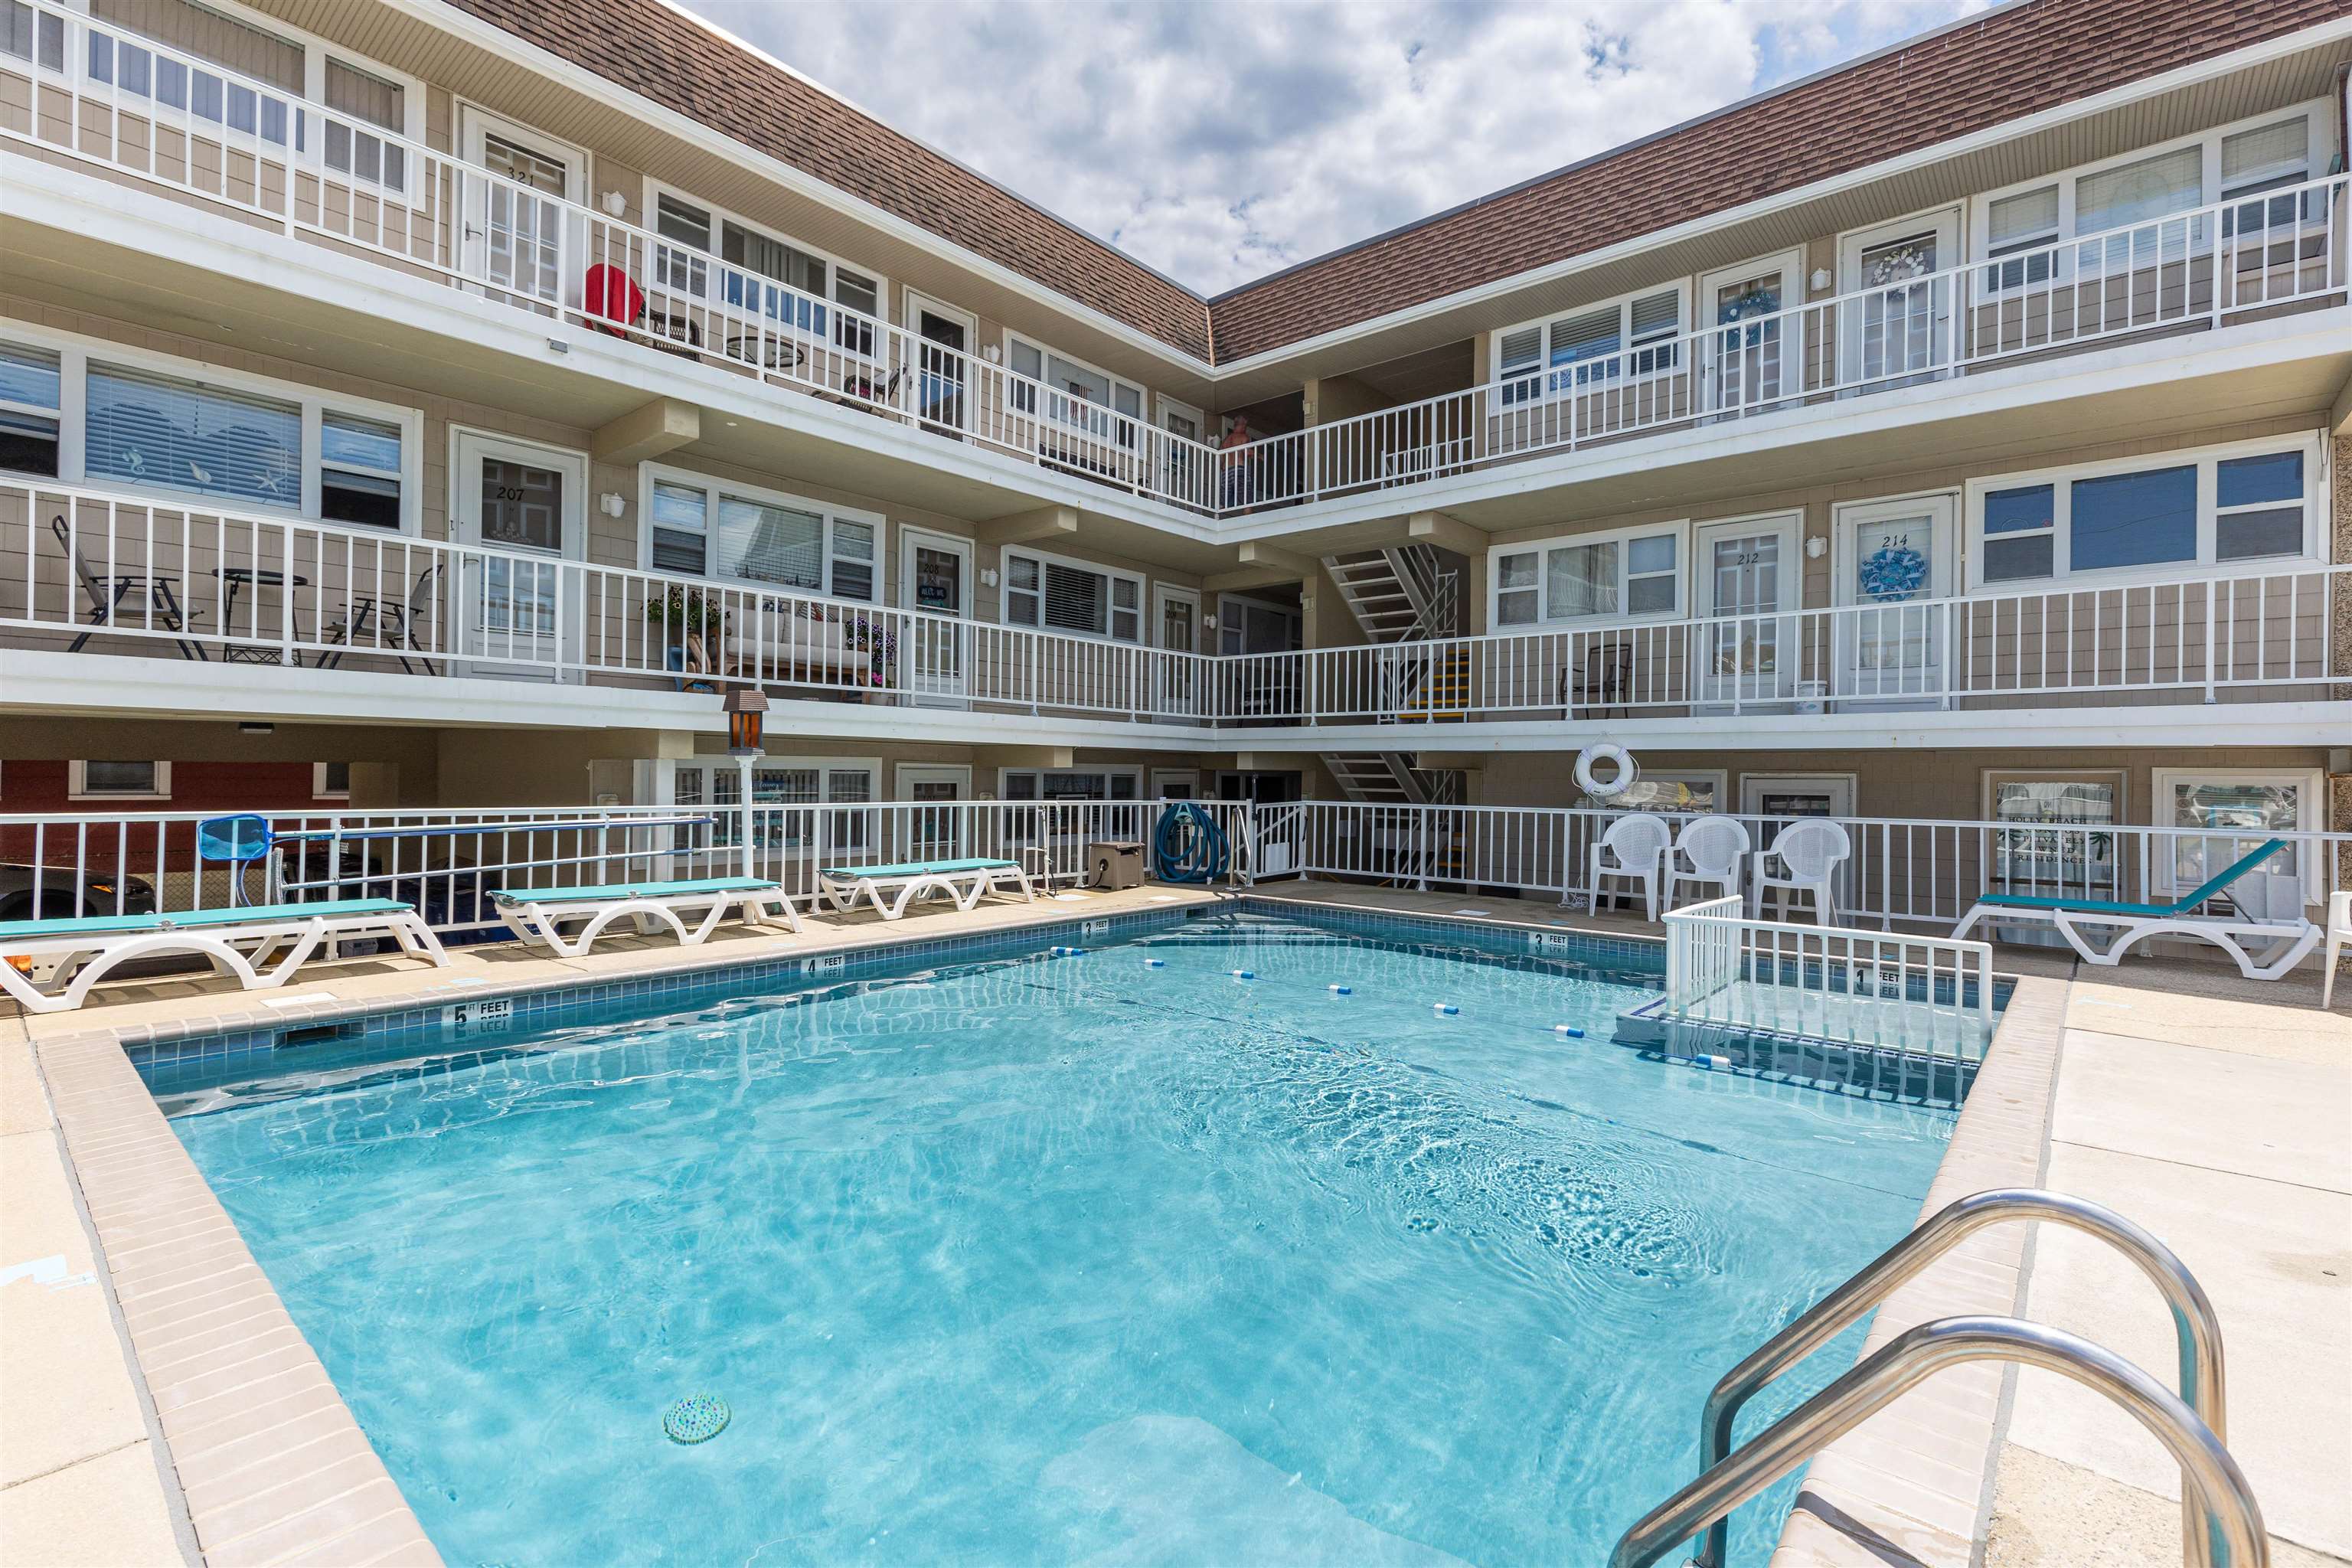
(2147, 911)
(614, 892)
(186, 919)
(923, 868)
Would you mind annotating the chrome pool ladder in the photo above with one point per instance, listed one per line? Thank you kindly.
(2222, 1524)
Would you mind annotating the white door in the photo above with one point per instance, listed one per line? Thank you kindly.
(1175, 676)
(1896, 320)
(935, 587)
(523, 505)
(1748, 574)
(939, 827)
(1895, 566)
(943, 361)
(516, 228)
(1756, 355)
(1175, 784)
(1186, 477)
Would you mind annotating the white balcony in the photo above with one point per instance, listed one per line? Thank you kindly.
(99, 582)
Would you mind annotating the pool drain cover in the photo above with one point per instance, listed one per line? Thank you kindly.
(697, 1418)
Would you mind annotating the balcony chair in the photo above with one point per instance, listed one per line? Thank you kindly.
(2288, 937)
(1631, 850)
(1601, 682)
(1808, 853)
(160, 592)
(1715, 849)
(393, 621)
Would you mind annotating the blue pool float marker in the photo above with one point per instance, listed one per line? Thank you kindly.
(1341, 990)
(1445, 1010)
(1242, 973)
(1571, 1030)
(697, 1418)
(1155, 964)
(1068, 951)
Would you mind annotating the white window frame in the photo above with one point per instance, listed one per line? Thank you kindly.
(74, 355)
(2310, 804)
(713, 487)
(1718, 779)
(1108, 427)
(1004, 558)
(319, 790)
(713, 768)
(78, 783)
(315, 50)
(1553, 389)
(2317, 481)
(2316, 113)
(1106, 771)
(878, 318)
(1213, 636)
(1681, 532)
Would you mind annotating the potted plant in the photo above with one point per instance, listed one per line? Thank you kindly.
(692, 623)
(880, 644)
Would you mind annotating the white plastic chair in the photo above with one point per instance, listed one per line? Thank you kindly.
(2339, 931)
(1808, 853)
(1715, 849)
(1631, 850)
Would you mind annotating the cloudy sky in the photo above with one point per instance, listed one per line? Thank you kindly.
(1219, 142)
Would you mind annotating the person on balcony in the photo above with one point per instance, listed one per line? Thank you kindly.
(1237, 485)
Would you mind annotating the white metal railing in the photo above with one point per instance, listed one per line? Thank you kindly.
(107, 96)
(82, 565)
(113, 97)
(1911, 873)
(2251, 632)
(2184, 270)
(1919, 993)
(450, 861)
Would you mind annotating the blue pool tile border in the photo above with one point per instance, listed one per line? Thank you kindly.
(210, 1053)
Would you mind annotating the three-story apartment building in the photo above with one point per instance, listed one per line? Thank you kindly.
(447, 402)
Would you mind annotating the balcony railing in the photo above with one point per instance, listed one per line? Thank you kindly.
(87, 569)
(102, 95)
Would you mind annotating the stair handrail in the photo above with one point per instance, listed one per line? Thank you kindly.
(2234, 1537)
(2195, 1324)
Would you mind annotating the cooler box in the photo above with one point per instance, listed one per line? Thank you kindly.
(1115, 863)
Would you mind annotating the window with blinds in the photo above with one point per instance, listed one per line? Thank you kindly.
(1076, 395)
(698, 529)
(210, 35)
(154, 431)
(2267, 158)
(1065, 597)
(2138, 192)
(30, 381)
(355, 93)
(1639, 335)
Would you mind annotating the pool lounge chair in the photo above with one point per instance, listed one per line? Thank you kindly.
(2288, 940)
(963, 880)
(540, 914)
(74, 954)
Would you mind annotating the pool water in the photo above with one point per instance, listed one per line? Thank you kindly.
(1060, 1260)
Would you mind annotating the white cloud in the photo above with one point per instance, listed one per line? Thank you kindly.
(1221, 142)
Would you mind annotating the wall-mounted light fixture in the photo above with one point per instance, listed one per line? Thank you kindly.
(256, 727)
(988, 576)
(613, 503)
(995, 352)
(1816, 547)
(1823, 278)
(616, 204)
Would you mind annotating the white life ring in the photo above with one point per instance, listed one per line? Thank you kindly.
(1623, 770)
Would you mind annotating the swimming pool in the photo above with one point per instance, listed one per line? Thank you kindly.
(1031, 1258)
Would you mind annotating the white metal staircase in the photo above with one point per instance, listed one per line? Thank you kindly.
(1400, 594)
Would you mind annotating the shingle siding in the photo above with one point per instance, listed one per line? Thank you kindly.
(2009, 64)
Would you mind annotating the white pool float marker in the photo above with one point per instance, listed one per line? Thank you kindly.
(1445, 1010)
(1155, 964)
(1068, 951)
(1571, 1030)
(1341, 990)
(1242, 973)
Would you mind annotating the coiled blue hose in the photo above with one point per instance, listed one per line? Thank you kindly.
(1189, 847)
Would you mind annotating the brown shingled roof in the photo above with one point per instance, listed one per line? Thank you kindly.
(2003, 66)
(675, 62)
(2007, 64)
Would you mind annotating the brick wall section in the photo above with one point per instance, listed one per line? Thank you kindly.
(671, 60)
(2009, 64)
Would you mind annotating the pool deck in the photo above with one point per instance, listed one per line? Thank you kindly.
(162, 1408)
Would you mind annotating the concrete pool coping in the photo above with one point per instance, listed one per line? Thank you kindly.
(258, 1460)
